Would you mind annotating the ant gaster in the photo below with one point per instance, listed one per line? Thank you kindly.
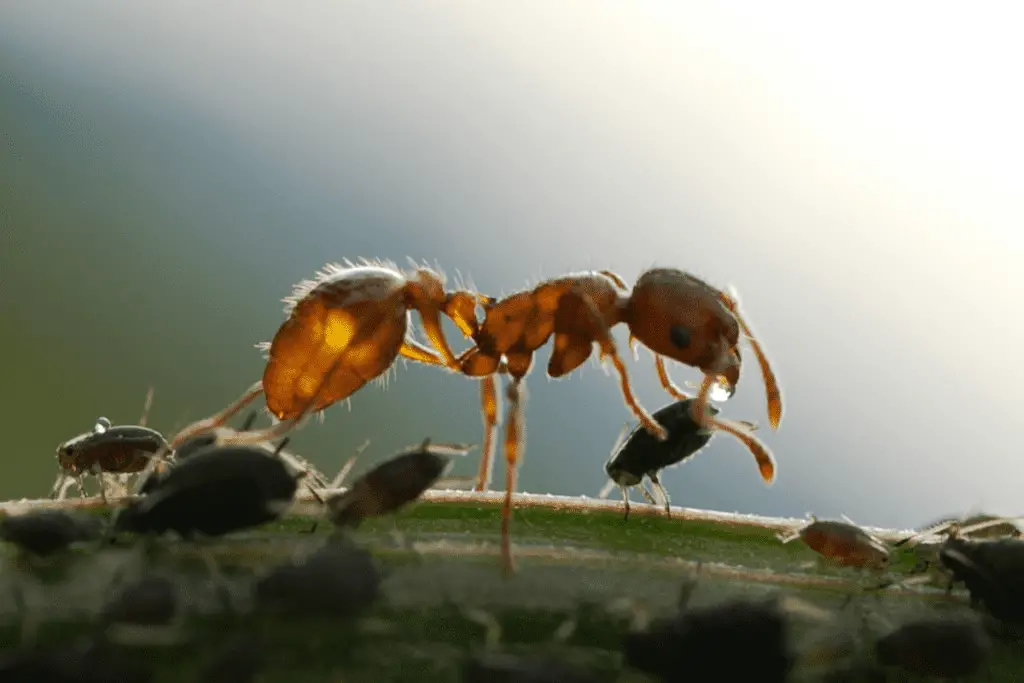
(345, 328)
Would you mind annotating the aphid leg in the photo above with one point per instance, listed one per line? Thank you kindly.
(58, 486)
(489, 411)
(666, 381)
(81, 486)
(625, 502)
(219, 419)
(646, 493)
(514, 447)
(661, 493)
(603, 337)
(771, 384)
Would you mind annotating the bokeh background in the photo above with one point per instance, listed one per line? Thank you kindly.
(169, 169)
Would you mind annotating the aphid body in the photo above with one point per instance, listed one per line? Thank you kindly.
(45, 532)
(842, 543)
(640, 454)
(390, 485)
(946, 648)
(216, 491)
(337, 580)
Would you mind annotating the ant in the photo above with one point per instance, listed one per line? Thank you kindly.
(107, 449)
(346, 327)
(670, 312)
(639, 454)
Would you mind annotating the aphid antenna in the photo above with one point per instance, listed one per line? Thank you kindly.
(146, 406)
(448, 448)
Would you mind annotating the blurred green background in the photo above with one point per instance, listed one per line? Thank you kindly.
(169, 170)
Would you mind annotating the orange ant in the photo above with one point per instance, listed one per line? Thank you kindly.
(672, 313)
(346, 327)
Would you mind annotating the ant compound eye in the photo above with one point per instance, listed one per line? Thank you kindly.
(680, 335)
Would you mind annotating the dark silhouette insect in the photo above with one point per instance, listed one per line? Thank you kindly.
(151, 601)
(107, 449)
(949, 648)
(90, 661)
(219, 490)
(337, 580)
(735, 641)
(497, 667)
(240, 660)
(45, 532)
(640, 454)
(393, 484)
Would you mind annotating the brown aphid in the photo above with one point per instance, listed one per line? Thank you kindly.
(842, 543)
(107, 449)
(345, 328)
(670, 312)
(945, 648)
(392, 484)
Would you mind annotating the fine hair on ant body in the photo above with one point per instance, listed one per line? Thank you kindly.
(671, 312)
(345, 328)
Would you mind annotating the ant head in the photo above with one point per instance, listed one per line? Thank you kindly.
(680, 317)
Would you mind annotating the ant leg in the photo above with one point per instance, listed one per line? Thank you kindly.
(145, 407)
(603, 337)
(513, 452)
(489, 406)
(666, 381)
(461, 310)
(220, 418)
(413, 350)
(771, 383)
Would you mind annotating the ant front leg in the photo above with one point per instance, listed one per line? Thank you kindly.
(666, 381)
(489, 409)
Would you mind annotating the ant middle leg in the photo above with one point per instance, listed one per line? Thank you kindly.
(666, 381)
(489, 410)
(514, 448)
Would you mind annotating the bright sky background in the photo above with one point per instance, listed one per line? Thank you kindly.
(856, 174)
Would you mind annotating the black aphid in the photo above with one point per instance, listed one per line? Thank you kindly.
(44, 532)
(943, 648)
(734, 641)
(240, 661)
(92, 661)
(992, 570)
(152, 601)
(640, 454)
(495, 667)
(217, 491)
(392, 484)
(107, 449)
(337, 580)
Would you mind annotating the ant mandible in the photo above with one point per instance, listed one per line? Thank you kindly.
(346, 327)
(671, 312)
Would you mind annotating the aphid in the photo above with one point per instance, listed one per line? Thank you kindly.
(45, 532)
(670, 312)
(842, 543)
(345, 328)
(641, 454)
(217, 491)
(89, 661)
(240, 661)
(497, 667)
(736, 640)
(107, 449)
(152, 601)
(939, 647)
(337, 580)
(392, 484)
(992, 570)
